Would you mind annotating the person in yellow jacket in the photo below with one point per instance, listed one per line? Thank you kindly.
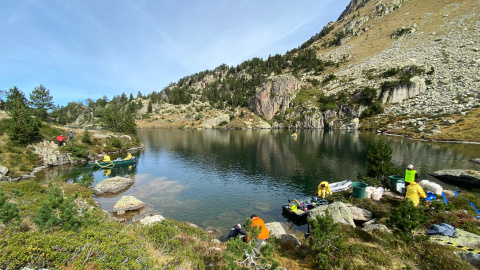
(106, 158)
(323, 188)
(414, 193)
(264, 233)
(410, 175)
(129, 156)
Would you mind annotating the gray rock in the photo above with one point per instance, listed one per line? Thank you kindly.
(449, 122)
(338, 210)
(276, 229)
(113, 185)
(360, 214)
(380, 227)
(472, 258)
(475, 160)
(3, 171)
(289, 240)
(128, 203)
(150, 220)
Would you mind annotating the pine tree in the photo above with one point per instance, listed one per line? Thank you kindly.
(8, 211)
(41, 102)
(23, 127)
(379, 160)
(326, 241)
(58, 211)
(86, 137)
(149, 108)
(406, 218)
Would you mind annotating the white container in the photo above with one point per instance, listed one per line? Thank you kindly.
(368, 193)
(376, 196)
(400, 187)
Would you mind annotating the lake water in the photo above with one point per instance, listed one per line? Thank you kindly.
(217, 178)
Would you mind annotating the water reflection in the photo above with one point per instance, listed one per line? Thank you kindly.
(217, 178)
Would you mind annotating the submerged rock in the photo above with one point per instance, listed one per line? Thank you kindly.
(128, 203)
(469, 177)
(113, 185)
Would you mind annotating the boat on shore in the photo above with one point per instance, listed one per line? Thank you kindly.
(297, 210)
(112, 164)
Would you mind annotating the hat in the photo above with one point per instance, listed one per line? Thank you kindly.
(410, 167)
(239, 226)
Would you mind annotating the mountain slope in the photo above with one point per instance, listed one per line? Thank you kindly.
(418, 58)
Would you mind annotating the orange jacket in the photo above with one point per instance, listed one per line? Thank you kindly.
(264, 233)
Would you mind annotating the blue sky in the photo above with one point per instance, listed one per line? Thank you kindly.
(87, 49)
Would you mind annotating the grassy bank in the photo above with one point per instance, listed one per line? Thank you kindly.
(84, 237)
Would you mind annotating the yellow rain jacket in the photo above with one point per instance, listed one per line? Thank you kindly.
(128, 157)
(414, 192)
(106, 158)
(322, 191)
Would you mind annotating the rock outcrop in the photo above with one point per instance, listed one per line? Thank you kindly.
(466, 177)
(50, 154)
(113, 185)
(403, 92)
(275, 95)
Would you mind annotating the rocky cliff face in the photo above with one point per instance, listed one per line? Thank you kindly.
(374, 45)
(275, 95)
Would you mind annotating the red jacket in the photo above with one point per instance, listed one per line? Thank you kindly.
(60, 138)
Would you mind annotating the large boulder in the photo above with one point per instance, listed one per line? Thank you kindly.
(128, 203)
(467, 177)
(464, 238)
(276, 229)
(360, 214)
(338, 210)
(113, 185)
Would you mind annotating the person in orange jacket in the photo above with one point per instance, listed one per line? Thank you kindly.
(323, 189)
(264, 233)
(414, 192)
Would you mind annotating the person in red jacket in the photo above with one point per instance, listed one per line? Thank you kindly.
(264, 233)
(60, 139)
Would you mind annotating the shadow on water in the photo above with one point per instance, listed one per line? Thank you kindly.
(217, 178)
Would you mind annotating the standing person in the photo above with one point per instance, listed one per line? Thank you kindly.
(323, 188)
(264, 233)
(410, 175)
(235, 231)
(60, 139)
(70, 136)
(414, 192)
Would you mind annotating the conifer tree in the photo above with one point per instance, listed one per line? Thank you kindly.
(8, 211)
(23, 128)
(41, 101)
(379, 160)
